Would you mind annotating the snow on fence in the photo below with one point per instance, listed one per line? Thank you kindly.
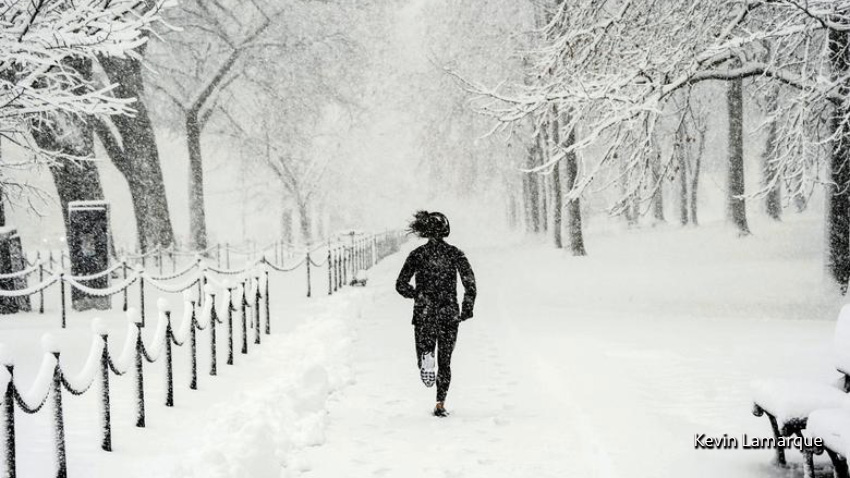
(245, 296)
(342, 262)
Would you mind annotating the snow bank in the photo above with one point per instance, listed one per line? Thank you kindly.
(260, 431)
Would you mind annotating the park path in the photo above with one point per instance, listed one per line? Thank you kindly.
(600, 366)
(504, 421)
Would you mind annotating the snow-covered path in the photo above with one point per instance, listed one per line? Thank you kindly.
(603, 366)
(501, 425)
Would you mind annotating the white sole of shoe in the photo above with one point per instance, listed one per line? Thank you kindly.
(429, 377)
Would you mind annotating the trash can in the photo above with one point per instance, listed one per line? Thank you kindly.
(12, 260)
(88, 247)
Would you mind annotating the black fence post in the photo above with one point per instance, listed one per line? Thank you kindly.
(257, 312)
(169, 367)
(62, 296)
(141, 300)
(59, 421)
(309, 280)
(9, 422)
(230, 326)
(106, 417)
(124, 269)
(330, 272)
(140, 379)
(212, 324)
(41, 292)
(268, 314)
(193, 347)
(244, 318)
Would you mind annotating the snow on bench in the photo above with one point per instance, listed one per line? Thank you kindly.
(831, 425)
(788, 403)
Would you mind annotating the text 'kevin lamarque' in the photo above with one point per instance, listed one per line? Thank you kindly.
(726, 442)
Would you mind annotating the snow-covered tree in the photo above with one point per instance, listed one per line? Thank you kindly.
(614, 66)
(42, 46)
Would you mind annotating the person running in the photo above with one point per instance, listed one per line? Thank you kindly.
(435, 266)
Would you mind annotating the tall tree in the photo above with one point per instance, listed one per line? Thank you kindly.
(130, 143)
(736, 206)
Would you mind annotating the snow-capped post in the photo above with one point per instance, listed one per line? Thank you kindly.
(244, 304)
(193, 347)
(9, 412)
(141, 300)
(125, 293)
(257, 310)
(40, 280)
(51, 346)
(266, 297)
(309, 281)
(230, 324)
(140, 379)
(99, 328)
(330, 271)
(169, 367)
(62, 297)
(212, 323)
(227, 254)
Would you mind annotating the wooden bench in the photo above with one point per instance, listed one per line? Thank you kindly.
(788, 403)
(833, 427)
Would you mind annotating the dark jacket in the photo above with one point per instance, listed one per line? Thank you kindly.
(436, 265)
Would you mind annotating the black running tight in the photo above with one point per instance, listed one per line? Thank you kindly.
(440, 335)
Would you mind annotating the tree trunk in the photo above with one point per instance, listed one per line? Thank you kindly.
(557, 194)
(681, 156)
(197, 217)
(658, 194)
(838, 196)
(574, 205)
(773, 198)
(286, 223)
(542, 155)
(695, 180)
(136, 156)
(304, 216)
(735, 202)
(533, 190)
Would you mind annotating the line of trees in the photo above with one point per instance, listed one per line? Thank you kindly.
(612, 98)
(114, 72)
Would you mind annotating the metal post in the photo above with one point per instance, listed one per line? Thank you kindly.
(169, 369)
(106, 418)
(41, 292)
(309, 281)
(213, 319)
(124, 268)
(218, 255)
(330, 272)
(140, 380)
(257, 313)
(142, 300)
(193, 346)
(268, 315)
(244, 319)
(230, 326)
(62, 295)
(159, 258)
(227, 255)
(9, 422)
(59, 421)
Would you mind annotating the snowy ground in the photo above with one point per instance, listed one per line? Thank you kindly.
(600, 366)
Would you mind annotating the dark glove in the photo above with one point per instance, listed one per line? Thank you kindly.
(465, 314)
